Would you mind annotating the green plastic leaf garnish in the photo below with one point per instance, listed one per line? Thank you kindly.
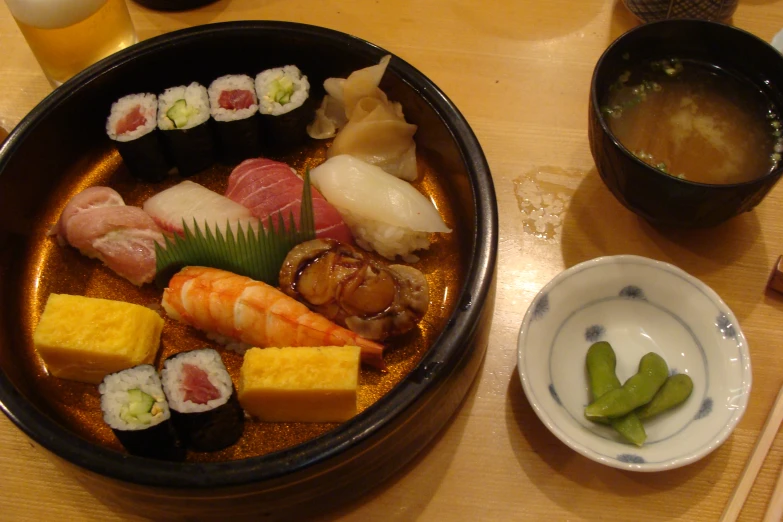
(257, 254)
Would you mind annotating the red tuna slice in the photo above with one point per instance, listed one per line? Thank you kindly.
(266, 187)
(131, 121)
(122, 237)
(196, 387)
(236, 99)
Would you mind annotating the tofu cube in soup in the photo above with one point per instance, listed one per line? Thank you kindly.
(84, 339)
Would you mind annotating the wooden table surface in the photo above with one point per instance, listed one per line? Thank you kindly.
(519, 71)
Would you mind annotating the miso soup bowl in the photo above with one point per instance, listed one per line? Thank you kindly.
(660, 198)
(51, 144)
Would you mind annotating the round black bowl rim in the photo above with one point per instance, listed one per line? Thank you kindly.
(436, 361)
(596, 105)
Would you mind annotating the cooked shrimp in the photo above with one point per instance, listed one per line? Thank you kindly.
(255, 313)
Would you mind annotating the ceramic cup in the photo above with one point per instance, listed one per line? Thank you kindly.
(654, 10)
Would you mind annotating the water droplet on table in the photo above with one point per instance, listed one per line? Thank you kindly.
(543, 196)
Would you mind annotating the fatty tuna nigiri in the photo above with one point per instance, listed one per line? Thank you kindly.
(98, 223)
(219, 302)
(266, 187)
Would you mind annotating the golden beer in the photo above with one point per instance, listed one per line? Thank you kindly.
(68, 35)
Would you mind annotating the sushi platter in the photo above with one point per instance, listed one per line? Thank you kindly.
(232, 302)
(266, 269)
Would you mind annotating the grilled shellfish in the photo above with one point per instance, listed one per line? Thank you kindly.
(345, 285)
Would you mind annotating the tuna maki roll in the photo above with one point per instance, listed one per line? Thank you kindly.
(131, 124)
(183, 116)
(204, 405)
(285, 105)
(234, 107)
(134, 406)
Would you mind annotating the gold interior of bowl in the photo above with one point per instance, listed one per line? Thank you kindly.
(49, 268)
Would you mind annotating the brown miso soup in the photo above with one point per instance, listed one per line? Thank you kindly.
(695, 121)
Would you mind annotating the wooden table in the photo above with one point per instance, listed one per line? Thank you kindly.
(520, 72)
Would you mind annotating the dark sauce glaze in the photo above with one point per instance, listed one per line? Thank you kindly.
(53, 269)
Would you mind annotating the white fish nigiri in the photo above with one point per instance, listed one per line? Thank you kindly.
(384, 213)
(190, 201)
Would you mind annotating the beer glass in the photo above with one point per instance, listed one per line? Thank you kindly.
(68, 35)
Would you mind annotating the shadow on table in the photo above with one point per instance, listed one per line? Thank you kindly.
(774, 299)
(526, 20)
(596, 224)
(536, 447)
(621, 21)
(408, 501)
(188, 18)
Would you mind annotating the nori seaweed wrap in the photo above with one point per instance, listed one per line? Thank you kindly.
(204, 405)
(234, 107)
(183, 118)
(135, 407)
(132, 126)
(284, 106)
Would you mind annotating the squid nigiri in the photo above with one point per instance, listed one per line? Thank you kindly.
(223, 303)
(384, 213)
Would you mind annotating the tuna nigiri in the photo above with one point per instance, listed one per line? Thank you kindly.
(101, 226)
(266, 187)
(87, 199)
(255, 313)
(190, 201)
(384, 213)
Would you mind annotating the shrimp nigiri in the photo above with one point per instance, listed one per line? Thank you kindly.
(255, 313)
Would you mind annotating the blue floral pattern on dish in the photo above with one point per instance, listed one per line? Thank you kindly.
(725, 327)
(542, 307)
(630, 458)
(633, 292)
(705, 409)
(594, 333)
(553, 392)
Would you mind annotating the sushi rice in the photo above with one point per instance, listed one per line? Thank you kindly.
(229, 343)
(270, 82)
(149, 108)
(208, 360)
(114, 395)
(197, 99)
(386, 239)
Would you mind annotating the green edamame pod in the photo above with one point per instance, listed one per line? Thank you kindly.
(601, 362)
(637, 390)
(631, 428)
(674, 391)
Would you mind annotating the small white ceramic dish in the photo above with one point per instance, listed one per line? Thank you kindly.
(638, 305)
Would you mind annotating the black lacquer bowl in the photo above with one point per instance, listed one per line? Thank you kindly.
(332, 468)
(658, 197)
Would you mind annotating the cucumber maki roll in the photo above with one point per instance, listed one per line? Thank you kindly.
(284, 105)
(135, 407)
(204, 406)
(183, 118)
(234, 107)
(132, 125)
